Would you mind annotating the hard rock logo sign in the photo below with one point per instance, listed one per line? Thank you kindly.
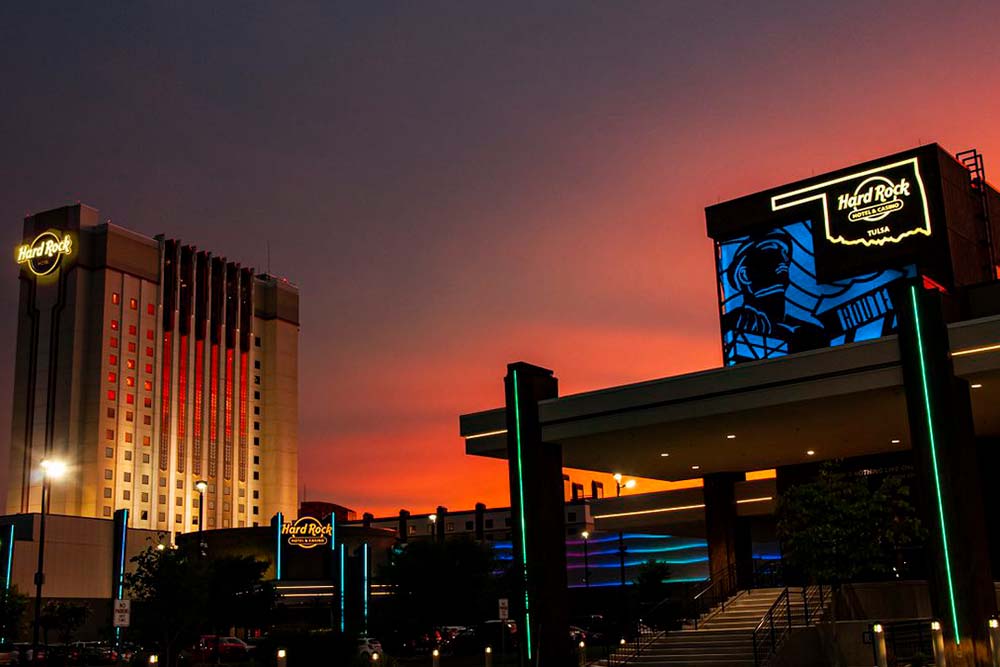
(43, 254)
(874, 207)
(307, 533)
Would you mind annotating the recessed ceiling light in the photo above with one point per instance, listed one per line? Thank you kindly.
(695, 467)
(665, 454)
(810, 452)
(977, 386)
(731, 436)
(894, 441)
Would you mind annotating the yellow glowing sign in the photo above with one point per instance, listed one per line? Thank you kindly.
(307, 532)
(870, 208)
(43, 254)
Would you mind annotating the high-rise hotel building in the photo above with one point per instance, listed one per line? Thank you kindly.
(148, 365)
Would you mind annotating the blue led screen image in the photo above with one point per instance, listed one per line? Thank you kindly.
(773, 305)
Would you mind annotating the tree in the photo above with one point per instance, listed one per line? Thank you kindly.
(440, 583)
(180, 593)
(64, 618)
(12, 607)
(650, 581)
(841, 527)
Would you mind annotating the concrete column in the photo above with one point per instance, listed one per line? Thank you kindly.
(721, 527)
(480, 522)
(948, 478)
(404, 526)
(539, 526)
(442, 515)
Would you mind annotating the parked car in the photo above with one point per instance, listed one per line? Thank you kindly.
(9, 655)
(213, 647)
(368, 647)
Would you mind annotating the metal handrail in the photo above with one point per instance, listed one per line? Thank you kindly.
(776, 633)
(714, 593)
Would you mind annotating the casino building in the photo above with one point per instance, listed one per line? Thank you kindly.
(147, 365)
(859, 320)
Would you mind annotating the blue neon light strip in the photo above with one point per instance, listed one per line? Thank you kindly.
(121, 556)
(524, 542)
(934, 462)
(609, 584)
(364, 555)
(637, 563)
(342, 555)
(10, 556)
(277, 549)
(641, 550)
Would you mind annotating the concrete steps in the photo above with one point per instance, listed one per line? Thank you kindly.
(724, 638)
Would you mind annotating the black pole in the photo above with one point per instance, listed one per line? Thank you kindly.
(586, 565)
(39, 574)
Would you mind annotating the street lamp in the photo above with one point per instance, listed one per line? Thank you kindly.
(586, 562)
(51, 469)
(201, 486)
(619, 485)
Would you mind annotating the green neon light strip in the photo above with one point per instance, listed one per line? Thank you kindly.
(524, 541)
(937, 477)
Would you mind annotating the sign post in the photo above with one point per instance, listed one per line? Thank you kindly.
(504, 609)
(122, 613)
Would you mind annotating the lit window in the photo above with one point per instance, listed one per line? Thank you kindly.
(133, 304)
(130, 398)
(113, 359)
(109, 434)
(149, 368)
(149, 351)
(130, 381)
(149, 334)
(145, 440)
(148, 385)
(131, 348)
(150, 310)
(130, 364)
(113, 342)
(111, 394)
(115, 298)
(128, 435)
(147, 402)
(112, 377)
(131, 330)
(114, 325)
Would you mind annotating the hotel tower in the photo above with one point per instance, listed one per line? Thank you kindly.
(147, 365)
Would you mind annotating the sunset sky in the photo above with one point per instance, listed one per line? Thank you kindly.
(457, 185)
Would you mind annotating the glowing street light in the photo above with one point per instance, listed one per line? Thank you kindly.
(51, 469)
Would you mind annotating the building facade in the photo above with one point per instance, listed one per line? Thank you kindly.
(147, 365)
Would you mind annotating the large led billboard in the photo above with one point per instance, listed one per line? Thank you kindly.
(814, 263)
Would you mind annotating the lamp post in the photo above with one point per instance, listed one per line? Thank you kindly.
(619, 485)
(586, 562)
(201, 486)
(50, 470)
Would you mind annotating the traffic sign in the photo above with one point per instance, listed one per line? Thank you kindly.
(504, 612)
(123, 613)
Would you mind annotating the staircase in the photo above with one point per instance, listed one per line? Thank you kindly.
(724, 638)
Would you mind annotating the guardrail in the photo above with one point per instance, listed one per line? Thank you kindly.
(772, 630)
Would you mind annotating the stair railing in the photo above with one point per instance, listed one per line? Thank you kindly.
(773, 629)
(814, 601)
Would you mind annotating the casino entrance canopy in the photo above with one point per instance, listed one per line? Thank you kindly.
(838, 402)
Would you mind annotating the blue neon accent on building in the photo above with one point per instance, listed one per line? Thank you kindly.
(341, 589)
(277, 549)
(10, 556)
(364, 555)
(610, 584)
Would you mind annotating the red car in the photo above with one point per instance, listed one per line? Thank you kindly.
(211, 647)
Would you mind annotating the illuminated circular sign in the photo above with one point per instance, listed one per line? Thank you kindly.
(307, 532)
(42, 256)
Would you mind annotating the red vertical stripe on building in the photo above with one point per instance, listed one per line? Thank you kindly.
(244, 372)
(227, 452)
(165, 401)
(182, 370)
(213, 414)
(199, 393)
